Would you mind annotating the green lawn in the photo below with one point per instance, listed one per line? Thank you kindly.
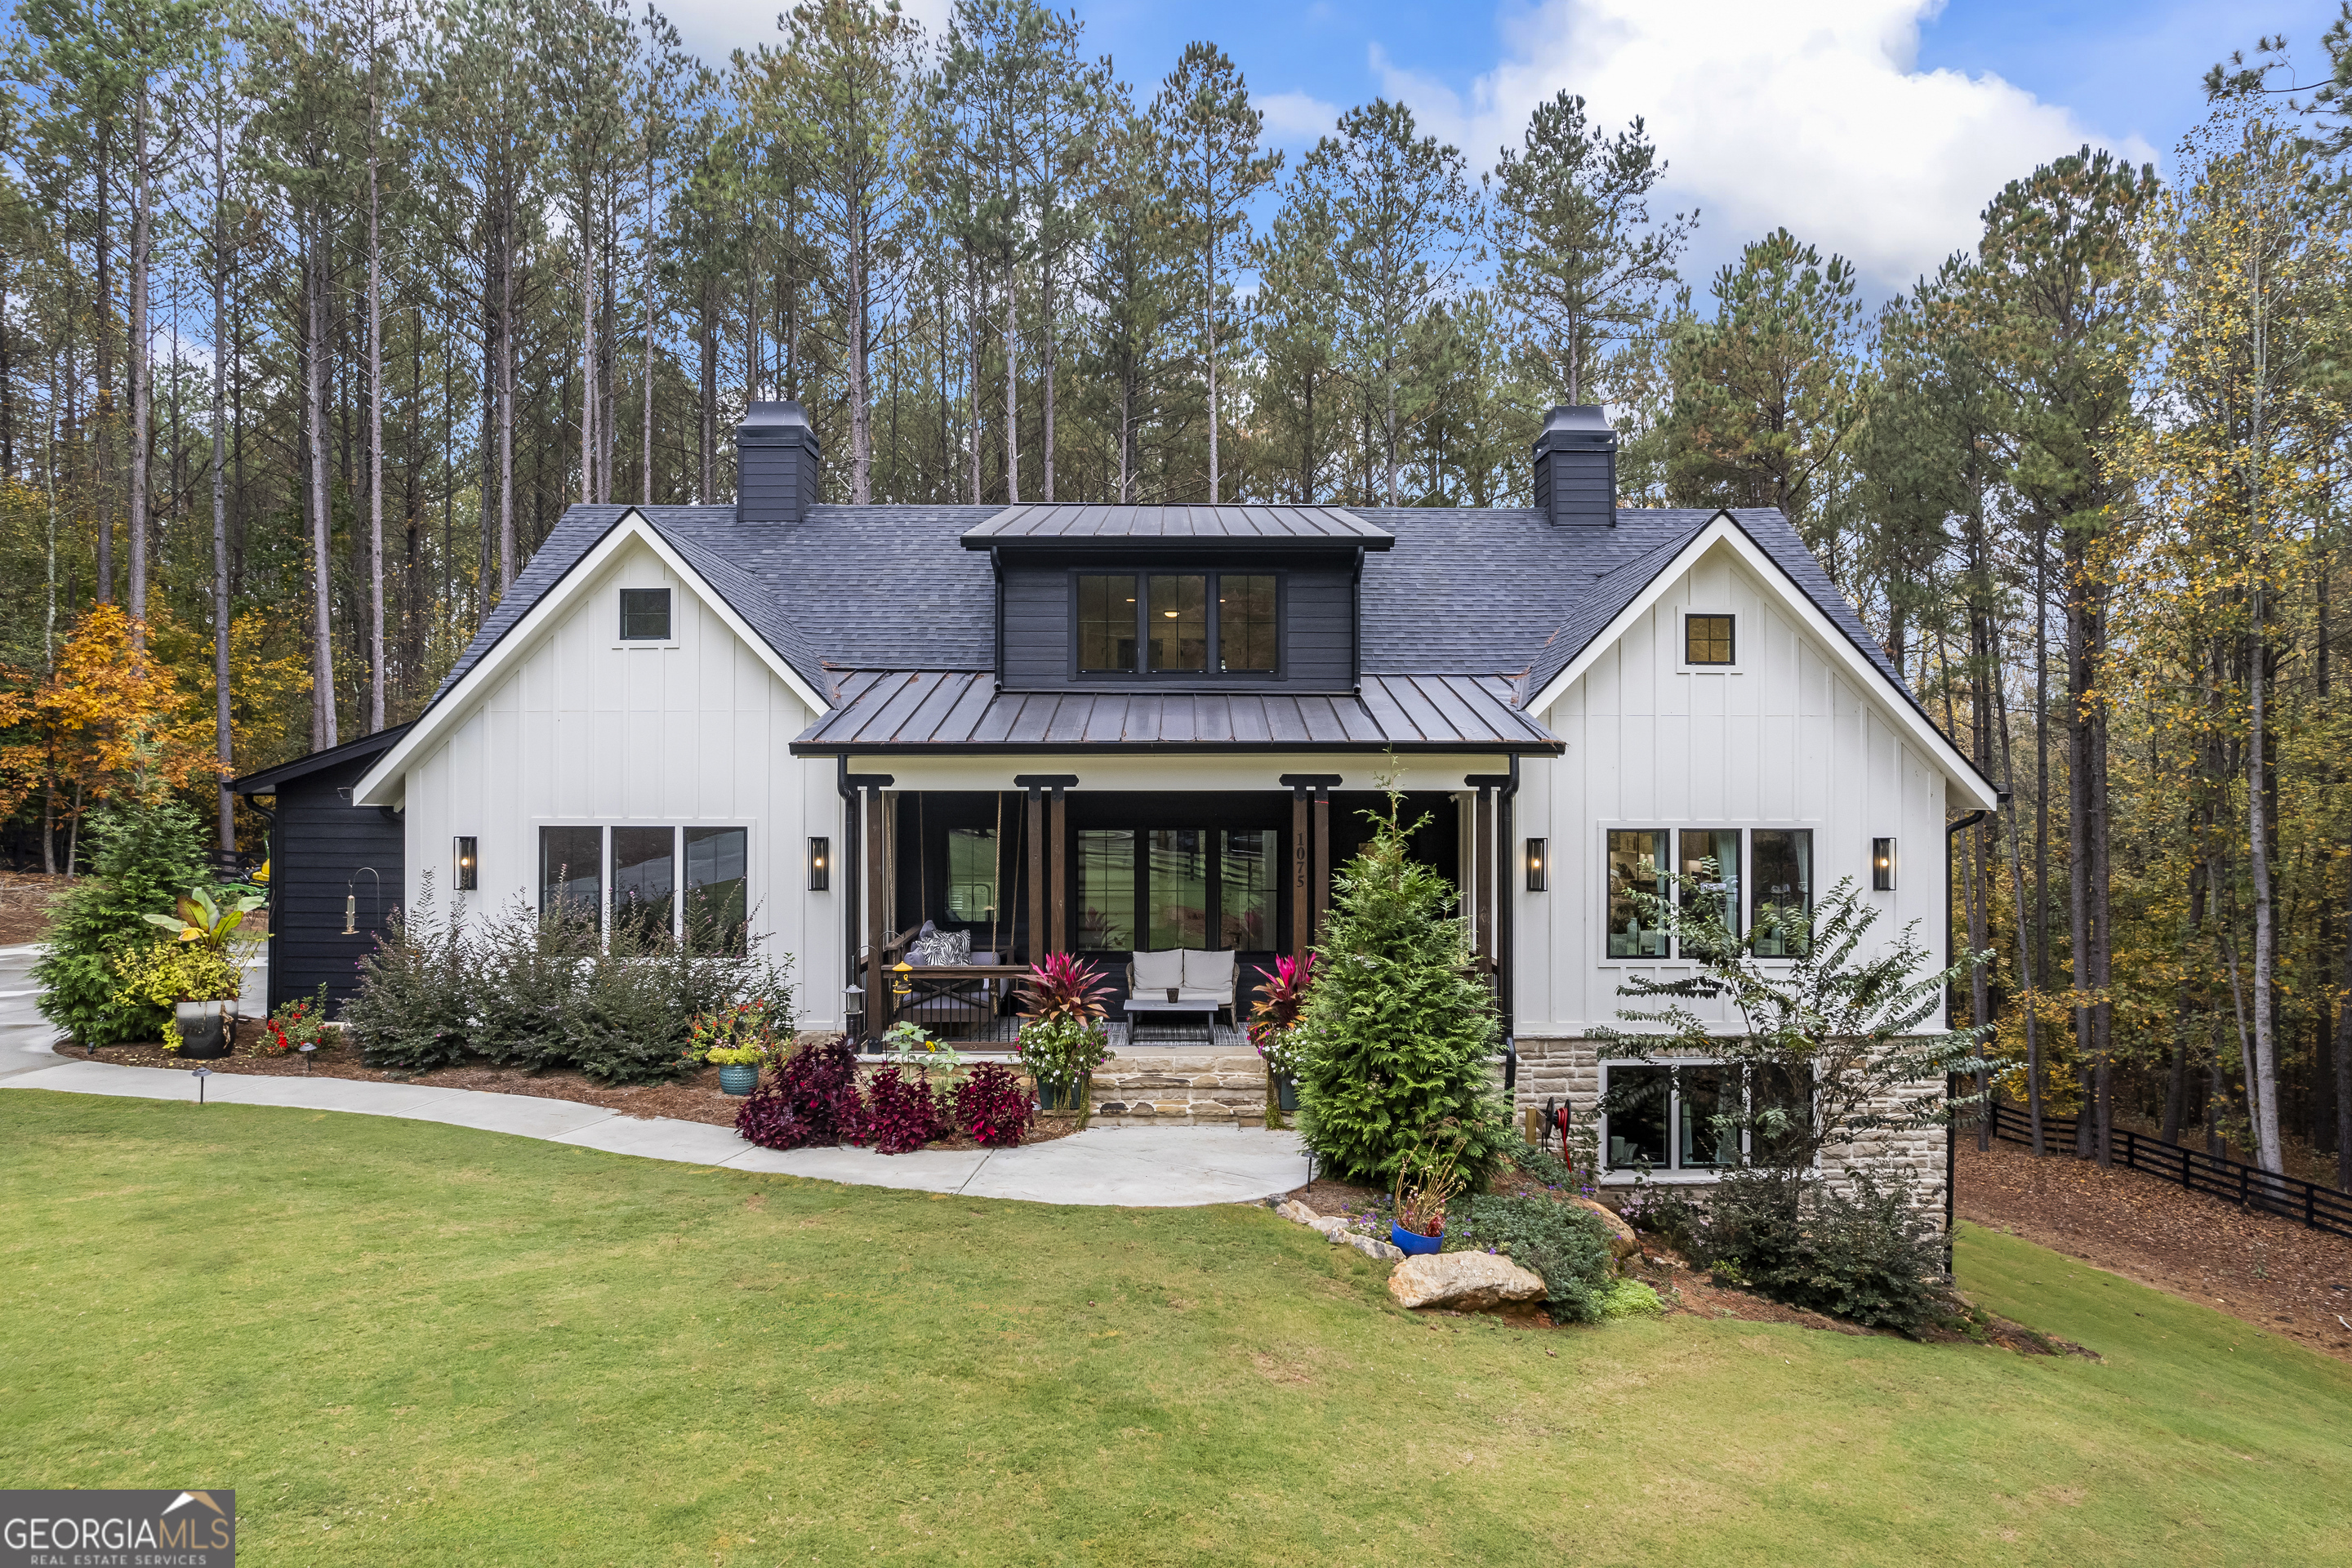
(407, 1343)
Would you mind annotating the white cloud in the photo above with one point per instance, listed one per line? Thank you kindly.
(1295, 118)
(1808, 115)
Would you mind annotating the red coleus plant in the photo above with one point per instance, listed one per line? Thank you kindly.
(902, 1114)
(992, 1107)
(1062, 987)
(1281, 999)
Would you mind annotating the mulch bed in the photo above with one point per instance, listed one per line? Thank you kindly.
(2265, 1271)
(694, 1097)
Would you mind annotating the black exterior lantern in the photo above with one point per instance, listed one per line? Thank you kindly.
(464, 867)
(820, 865)
(1539, 865)
(1882, 865)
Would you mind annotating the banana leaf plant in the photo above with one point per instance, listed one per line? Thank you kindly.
(209, 916)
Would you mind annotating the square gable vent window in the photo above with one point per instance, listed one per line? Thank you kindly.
(1707, 639)
(645, 615)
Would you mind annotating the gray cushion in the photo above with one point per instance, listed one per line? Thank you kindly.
(1210, 971)
(1159, 971)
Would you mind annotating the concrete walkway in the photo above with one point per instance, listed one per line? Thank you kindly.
(1139, 1167)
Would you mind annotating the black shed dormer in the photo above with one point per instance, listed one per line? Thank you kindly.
(1176, 598)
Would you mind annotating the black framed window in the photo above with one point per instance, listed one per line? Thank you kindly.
(1638, 858)
(644, 879)
(1107, 622)
(717, 904)
(1710, 858)
(1245, 641)
(645, 615)
(1780, 879)
(1687, 1116)
(1158, 887)
(572, 875)
(1708, 639)
(1177, 623)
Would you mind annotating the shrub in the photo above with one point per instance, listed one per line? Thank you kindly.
(902, 1114)
(1630, 1298)
(416, 991)
(818, 1085)
(296, 1024)
(1867, 1255)
(538, 993)
(1397, 1030)
(144, 853)
(991, 1107)
(1565, 1244)
(158, 973)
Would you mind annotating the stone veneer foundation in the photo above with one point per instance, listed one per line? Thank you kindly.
(1571, 1068)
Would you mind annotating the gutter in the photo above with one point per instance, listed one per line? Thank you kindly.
(852, 834)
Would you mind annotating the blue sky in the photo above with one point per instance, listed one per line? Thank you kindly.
(1877, 128)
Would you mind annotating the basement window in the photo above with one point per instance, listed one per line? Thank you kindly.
(645, 615)
(1687, 1118)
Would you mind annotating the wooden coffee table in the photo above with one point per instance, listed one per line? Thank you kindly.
(1174, 1032)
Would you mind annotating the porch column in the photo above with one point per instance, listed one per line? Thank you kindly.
(1037, 948)
(876, 817)
(1498, 865)
(1057, 860)
(1049, 862)
(1483, 868)
(1310, 856)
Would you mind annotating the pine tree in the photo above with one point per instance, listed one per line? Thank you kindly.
(1398, 1028)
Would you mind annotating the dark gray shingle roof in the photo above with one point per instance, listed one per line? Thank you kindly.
(1500, 593)
(1175, 526)
(920, 709)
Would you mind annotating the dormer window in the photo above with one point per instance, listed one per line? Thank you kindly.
(1176, 623)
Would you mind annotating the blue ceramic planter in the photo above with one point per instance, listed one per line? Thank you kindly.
(738, 1080)
(1409, 1244)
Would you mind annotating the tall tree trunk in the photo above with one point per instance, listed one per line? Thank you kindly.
(1011, 329)
(2042, 963)
(861, 410)
(375, 431)
(706, 492)
(104, 412)
(136, 522)
(971, 337)
(223, 738)
(1046, 357)
(588, 303)
(507, 567)
(322, 646)
(2344, 1063)
(2079, 776)
(2262, 1089)
(2025, 960)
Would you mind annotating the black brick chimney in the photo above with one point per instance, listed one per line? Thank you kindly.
(775, 464)
(1576, 468)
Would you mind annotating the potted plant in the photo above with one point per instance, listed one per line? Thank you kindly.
(1429, 1177)
(206, 972)
(1062, 1038)
(1274, 1030)
(737, 1039)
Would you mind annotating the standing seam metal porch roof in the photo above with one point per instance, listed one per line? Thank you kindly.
(1082, 524)
(901, 710)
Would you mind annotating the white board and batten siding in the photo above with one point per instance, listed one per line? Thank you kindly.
(1787, 738)
(584, 730)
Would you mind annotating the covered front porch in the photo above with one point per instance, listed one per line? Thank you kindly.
(958, 873)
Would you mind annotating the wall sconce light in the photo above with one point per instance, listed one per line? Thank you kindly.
(820, 865)
(1882, 865)
(1538, 866)
(465, 872)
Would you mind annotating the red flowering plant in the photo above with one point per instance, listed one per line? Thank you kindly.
(296, 1024)
(1273, 1018)
(1062, 1035)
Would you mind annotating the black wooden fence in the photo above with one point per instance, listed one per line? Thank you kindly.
(2249, 1186)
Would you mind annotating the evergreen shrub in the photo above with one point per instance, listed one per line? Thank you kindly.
(1566, 1244)
(1865, 1254)
(1397, 1031)
(144, 853)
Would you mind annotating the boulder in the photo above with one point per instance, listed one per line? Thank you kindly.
(1466, 1282)
(1330, 1225)
(1296, 1212)
(1372, 1247)
(1622, 1242)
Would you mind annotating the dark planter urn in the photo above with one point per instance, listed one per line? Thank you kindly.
(1411, 1243)
(1056, 1096)
(738, 1077)
(206, 1028)
(1285, 1092)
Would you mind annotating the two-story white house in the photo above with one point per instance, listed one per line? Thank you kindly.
(1132, 730)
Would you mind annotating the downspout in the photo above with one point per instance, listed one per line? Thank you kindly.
(1951, 1081)
(1505, 983)
(851, 832)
